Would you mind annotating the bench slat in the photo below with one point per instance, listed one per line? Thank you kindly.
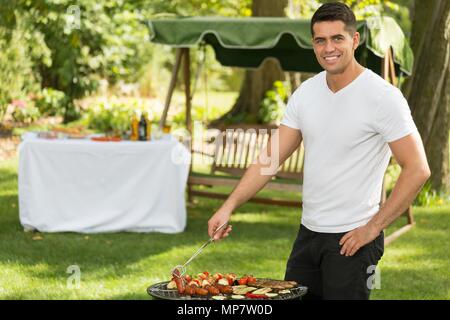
(230, 182)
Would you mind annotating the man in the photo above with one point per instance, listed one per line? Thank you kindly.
(350, 121)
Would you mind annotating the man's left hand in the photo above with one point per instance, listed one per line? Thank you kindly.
(352, 241)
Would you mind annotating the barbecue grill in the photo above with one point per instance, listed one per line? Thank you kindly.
(160, 291)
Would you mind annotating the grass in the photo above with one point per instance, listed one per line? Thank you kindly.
(123, 265)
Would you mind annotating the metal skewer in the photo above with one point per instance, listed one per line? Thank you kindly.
(182, 268)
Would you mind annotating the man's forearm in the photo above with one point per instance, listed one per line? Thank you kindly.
(405, 191)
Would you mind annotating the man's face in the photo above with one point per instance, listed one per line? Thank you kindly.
(333, 45)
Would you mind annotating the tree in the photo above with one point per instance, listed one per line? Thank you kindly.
(21, 49)
(256, 82)
(108, 42)
(428, 91)
(82, 43)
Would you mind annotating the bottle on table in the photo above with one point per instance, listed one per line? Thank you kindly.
(149, 125)
(142, 128)
(134, 127)
(167, 128)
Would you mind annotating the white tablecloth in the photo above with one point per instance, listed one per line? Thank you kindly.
(86, 186)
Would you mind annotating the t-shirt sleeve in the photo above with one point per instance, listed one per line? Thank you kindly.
(291, 113)
(393, 118)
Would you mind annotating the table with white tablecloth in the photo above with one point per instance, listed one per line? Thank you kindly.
(88, 186)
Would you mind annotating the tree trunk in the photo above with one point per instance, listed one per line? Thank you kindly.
(428, 91)
(257, 81)
(437, 146)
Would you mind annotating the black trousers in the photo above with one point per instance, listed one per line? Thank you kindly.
(316, 262)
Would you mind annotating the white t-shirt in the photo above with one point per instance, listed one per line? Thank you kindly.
(345, 136)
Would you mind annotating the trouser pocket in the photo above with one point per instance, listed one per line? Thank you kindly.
(378, 246)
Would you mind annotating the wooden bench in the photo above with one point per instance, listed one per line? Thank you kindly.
(232, 151)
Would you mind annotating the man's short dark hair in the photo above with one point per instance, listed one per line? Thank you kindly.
(335, 11)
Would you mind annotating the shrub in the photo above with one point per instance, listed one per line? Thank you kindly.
(51, 102)
(25, 111)
(16, 60)
(112, 117)
(274, 103)
(428, 197)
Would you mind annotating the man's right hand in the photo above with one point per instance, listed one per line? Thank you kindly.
(220, 217)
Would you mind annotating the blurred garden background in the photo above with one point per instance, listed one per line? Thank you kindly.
(87, 66)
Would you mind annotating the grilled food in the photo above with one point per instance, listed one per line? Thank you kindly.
(201, 291)
(242, 289)
(213, 290)
(225, 289)
(262, 290)
(190, 290)
(274, 284)
(219, 285)
(179, 281)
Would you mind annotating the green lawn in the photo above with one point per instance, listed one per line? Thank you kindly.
(122, 265)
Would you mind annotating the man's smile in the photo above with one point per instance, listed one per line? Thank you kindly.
(332, 58)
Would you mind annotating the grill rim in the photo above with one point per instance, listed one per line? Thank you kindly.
(155, 288)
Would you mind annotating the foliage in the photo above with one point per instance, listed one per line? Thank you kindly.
(429, 197)
(20, 48)
(11, 71)
(225, 8)
(88, 41)
(393, 171)
(271, 109)
(106, 117)
(302, 9)
(274, 103)
(113, 116)
(398, 9)
(103, 39)
(50, 102)
(25, 111)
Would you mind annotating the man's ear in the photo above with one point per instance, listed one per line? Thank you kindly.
(356, 38)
